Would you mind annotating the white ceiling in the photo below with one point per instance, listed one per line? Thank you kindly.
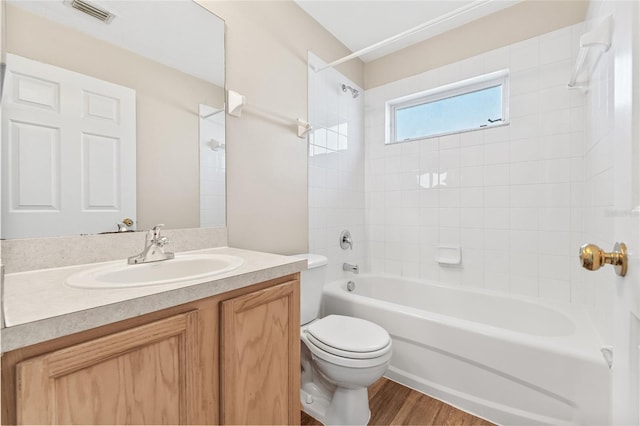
(361, 23)
(178, 33)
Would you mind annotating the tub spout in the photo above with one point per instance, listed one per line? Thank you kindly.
(350, 268)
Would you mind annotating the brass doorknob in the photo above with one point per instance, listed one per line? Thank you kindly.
(593, 258)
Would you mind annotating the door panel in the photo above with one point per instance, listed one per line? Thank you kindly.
(69, 152)
(623, 145)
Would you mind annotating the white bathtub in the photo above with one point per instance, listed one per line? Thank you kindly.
(507, 359)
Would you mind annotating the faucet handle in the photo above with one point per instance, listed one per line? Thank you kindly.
(155, 231)
(345, 240)
(153, 234)
(158, 240)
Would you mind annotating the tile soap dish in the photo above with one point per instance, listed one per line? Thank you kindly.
(448, 255)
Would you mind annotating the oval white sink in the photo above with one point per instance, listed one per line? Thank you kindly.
(183, 268)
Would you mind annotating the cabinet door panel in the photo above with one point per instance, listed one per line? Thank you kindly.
(261, 357)
(138, 376)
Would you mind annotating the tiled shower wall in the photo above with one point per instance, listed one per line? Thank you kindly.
(336, 168)
(511, 197)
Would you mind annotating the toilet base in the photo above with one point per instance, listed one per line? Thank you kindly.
(343, 407)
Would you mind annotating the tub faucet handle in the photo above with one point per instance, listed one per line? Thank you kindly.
(345, 240)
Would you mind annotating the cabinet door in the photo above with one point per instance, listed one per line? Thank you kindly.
(260, 371)
(145, 375)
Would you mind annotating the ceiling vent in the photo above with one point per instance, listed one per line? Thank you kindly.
(91, 10)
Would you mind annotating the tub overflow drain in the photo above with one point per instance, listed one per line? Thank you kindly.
(351, 285)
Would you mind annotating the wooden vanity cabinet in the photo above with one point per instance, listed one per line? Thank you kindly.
(145, 375)
(260, 373)
(228, 359)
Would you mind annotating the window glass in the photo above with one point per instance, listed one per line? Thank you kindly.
(464, 106)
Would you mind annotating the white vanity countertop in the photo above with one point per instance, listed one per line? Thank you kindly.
(39, 306)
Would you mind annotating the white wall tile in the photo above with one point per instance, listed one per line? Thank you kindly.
(449, 217)
(524, 285)
(523, 127)
(472, 238)
(524, 81)
(554, 98)
(496, 174)
(472, 217)
(524, 150)
(525, 55)
(449, 141)
(472, 274)
(449, 197)
(554, 74)
(472, 155)
(429, 216)
(496, 196)
(495, 134)
(496, 153)
(513, 196)
(428, 198)
(471, 197)
(471, 138)
(556, 170)
(496, 218)
(555, 122)
(524, 241)
(556, 146)
(448, 236)
(555, 46)
(524, 104)
(496, 239)
(449, 158)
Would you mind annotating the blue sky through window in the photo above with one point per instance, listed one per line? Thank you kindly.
(466, 111)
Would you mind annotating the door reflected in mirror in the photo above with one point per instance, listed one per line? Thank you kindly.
(107, 121)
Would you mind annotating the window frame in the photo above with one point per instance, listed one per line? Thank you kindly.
(486, 81)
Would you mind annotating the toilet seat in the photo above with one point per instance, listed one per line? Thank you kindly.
(347, 354)
(348, 341)
(349, 337)
(342, 361)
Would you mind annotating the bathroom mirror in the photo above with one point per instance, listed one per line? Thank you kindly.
(111, 110)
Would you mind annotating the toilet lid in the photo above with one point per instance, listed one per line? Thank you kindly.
(349, 334)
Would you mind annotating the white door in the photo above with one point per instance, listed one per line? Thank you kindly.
(68, 152)
(625, 148)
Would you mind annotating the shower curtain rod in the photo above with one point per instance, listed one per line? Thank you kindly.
(454, 13)
(211, 114)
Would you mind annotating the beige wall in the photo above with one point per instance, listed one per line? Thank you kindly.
(519, 22)
(266, 51)
(166, 106)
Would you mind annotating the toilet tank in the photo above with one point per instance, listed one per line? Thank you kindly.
(311, 284)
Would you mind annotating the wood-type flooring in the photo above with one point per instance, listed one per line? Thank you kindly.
(394, 404)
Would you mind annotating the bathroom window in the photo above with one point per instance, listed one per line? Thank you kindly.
(472, 104)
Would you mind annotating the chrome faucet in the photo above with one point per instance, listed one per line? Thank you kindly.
(350, 268)
(153, 248)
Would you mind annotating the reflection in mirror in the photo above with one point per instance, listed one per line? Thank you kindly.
(107, 121)
(212, 167)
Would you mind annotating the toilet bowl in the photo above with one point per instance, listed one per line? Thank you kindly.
(340, 356)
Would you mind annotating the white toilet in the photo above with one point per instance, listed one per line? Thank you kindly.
(341, 356)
